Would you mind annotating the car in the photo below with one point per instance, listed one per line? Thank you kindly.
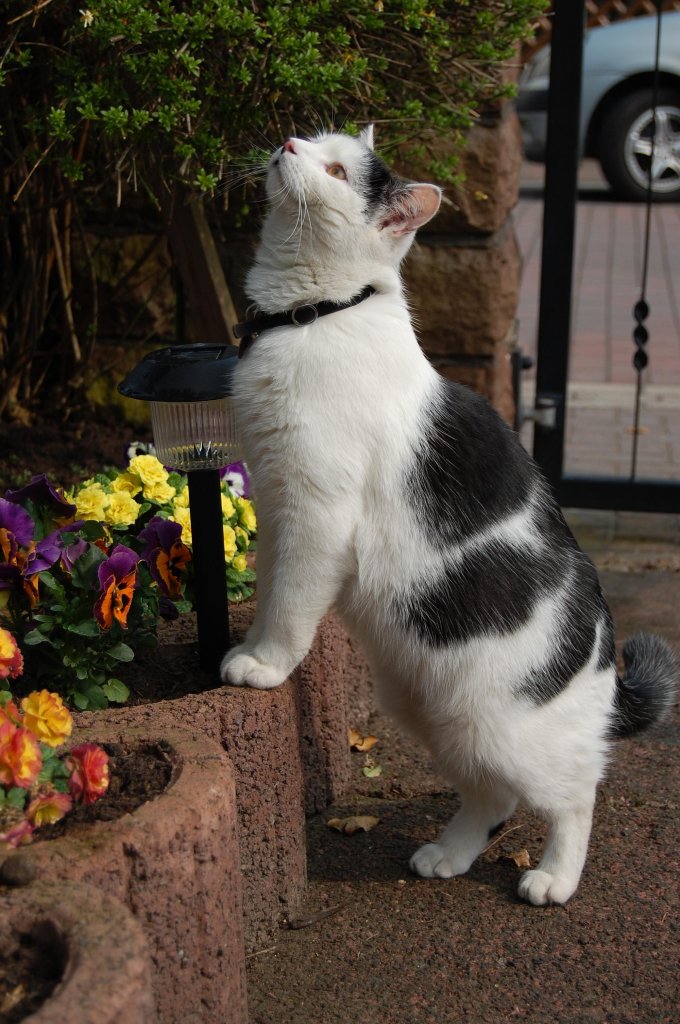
(617, 111)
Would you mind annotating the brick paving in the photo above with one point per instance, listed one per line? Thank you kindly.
(607, 282)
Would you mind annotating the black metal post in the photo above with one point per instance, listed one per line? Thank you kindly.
(210, 580)
(559, 217)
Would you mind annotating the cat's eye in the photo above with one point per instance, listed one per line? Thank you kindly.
(337, 171)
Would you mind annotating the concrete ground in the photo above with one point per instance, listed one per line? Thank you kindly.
(376, 945)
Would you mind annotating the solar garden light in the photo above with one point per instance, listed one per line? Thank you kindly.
(189, 388)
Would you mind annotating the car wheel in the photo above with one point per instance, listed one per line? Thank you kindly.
(625, 146)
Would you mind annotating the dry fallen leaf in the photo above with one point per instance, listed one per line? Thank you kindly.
(12, 998)
(355, 823)
(362, 743)
(521, 858)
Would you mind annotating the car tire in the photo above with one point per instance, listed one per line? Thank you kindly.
(624, 146)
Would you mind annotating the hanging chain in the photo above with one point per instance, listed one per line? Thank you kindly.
(641, 308)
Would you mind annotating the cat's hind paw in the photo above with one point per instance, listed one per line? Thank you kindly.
(542, 889)
(436, 861)
(242, 669)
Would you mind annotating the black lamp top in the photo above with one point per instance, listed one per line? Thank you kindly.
(182, 373)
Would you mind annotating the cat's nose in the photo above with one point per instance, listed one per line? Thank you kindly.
(289, 147)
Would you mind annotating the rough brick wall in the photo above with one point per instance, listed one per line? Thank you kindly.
(463, 273)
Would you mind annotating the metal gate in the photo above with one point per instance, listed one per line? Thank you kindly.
(554, 320)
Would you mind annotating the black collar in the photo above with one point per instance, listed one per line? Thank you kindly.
(299, 316)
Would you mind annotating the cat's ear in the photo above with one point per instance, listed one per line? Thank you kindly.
(411, 208)
(366, 136)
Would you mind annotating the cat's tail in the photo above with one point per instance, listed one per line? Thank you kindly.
(647, 690)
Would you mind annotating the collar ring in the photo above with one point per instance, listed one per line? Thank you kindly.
(304, 315)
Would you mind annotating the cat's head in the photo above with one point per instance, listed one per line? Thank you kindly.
(337, 186)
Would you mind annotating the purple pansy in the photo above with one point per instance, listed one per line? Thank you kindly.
(117, 578)
(43, 556)
(165, 554)
(237, 479)
(16, 521)
(41, 492)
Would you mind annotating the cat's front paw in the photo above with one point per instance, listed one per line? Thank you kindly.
(436, 861)
(542, 889)
(242, 669)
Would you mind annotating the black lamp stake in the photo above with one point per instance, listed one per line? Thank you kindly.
(212, 616)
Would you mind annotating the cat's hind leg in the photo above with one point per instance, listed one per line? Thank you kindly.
(559, 870)
(483, 809)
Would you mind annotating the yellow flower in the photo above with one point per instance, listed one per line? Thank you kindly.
(182, 498)
(240, 563)
(46, 717)
(122, 509)
(126, 483)
(242, 536)
(246, 514)
(91, 502)
(182, 517)
(149, 470)
(229, 542)
(160, 492)
(228, 509)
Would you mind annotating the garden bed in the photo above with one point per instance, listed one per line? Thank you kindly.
(174, 862)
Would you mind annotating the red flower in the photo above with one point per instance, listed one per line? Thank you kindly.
(18, 834)
(89, 767)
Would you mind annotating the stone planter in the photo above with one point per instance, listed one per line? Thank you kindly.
(94, 940)
(289, 752)
(174, 863)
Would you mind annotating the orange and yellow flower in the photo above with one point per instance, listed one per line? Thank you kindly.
(47, 718)
(10, 713)
(11, 660)
(89, 767)
(49, 807)
(20, 757)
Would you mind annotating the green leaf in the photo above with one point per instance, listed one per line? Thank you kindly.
(81, 702)
(96, 698)
(116, 691)
(121, 652)
(84, 573)
(35, 637)
(16, 797)
(87, 628)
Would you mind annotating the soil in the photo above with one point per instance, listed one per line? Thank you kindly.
(67, 450)
(28, 976)
(136, 774)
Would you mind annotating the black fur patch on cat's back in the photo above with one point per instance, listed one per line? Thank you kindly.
(471, 470)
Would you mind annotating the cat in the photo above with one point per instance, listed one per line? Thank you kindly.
(406, 502)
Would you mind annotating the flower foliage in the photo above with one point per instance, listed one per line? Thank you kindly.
(186, 85)
(38, 783)
(86, 577)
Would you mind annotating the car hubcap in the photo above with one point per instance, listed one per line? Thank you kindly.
(660, 149)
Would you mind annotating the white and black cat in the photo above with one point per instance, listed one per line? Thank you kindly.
(404, 501)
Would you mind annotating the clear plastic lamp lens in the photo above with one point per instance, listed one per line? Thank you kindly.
(195, 435)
